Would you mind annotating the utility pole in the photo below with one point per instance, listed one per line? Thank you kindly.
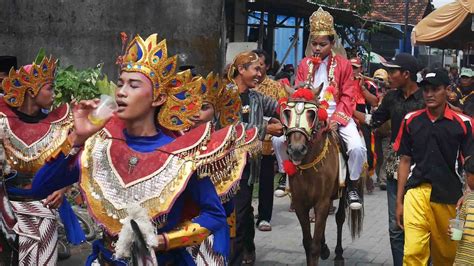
(405, 32)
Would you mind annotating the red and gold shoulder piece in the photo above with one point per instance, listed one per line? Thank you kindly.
(114, 176)
(252, 144)
(240, 132)
(218, 161)
(29, 145)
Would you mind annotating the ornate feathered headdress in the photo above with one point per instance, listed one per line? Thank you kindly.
(30, 77)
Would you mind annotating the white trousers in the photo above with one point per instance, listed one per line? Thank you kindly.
(356, 149)
(280, 149)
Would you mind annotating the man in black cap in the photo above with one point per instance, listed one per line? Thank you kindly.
(6, 63)
(430, 143)
(404, 98)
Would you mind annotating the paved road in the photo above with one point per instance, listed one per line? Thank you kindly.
(283, 246)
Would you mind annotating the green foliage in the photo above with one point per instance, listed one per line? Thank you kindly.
(39, 57)
(362, 7)
(72, 84)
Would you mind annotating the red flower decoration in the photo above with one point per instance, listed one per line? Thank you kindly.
(289, 168)
(322, 114)
(283, 101)
(304, 93)
(324, 105)
(282, 104)
(284, 81)
(119, 60)
(330, 89)
(316, 60)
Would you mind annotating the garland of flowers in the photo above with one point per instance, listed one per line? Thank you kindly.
(331, 89)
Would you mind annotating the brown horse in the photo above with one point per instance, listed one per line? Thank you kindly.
(315, 152)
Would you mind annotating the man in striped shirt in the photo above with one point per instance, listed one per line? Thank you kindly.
(465, 252)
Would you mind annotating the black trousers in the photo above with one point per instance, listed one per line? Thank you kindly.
(8, 254)
(265, 188)
(366, 132)
(244, 239)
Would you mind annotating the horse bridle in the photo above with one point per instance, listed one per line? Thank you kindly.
(300, 116)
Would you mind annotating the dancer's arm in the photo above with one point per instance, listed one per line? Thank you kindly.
(212, 216)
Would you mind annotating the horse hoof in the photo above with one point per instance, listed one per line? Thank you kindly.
(338, 260)
(325, 252)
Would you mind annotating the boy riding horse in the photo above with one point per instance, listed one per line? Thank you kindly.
(335, 72)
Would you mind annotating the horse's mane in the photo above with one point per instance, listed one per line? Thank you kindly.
(325, 130)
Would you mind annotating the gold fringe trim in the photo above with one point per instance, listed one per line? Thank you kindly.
(318, 159)
(104, 211)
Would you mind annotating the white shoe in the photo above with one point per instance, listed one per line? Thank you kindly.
(280, 193)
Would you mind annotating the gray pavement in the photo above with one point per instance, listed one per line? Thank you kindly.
(283, 245)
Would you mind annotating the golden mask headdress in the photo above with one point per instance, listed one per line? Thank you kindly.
(31, 77)
(151, 59)
(321, 23)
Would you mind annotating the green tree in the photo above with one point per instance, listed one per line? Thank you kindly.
(362, 7)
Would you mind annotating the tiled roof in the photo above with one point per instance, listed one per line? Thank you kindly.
(394, 11)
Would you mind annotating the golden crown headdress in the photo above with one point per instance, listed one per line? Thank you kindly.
(321, 23)
(211, 88)
(151, 59)
(183, 101)
(225, 99)
(229, 105)
(31, 77)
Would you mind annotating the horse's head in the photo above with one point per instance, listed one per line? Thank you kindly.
(300, 119)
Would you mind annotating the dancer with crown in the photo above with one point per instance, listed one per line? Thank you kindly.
(139, 182)
(335, 72)
(30, 134)
(221, 106)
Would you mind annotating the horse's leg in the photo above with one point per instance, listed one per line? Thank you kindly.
(340, 218)
(325, 252)
(303, 218)
(321, 211)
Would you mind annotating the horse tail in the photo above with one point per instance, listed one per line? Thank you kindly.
(355, 217)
